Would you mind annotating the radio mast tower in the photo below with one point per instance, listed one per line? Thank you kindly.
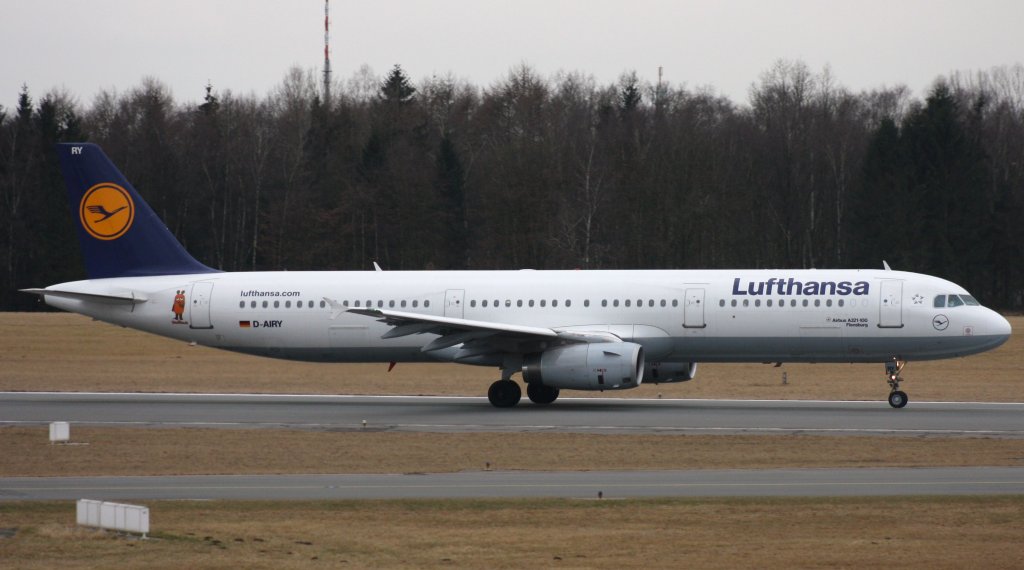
(327, 51)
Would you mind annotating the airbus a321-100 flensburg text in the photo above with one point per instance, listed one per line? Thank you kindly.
(578, 330)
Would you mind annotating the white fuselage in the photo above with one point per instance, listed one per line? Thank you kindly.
(677, 315)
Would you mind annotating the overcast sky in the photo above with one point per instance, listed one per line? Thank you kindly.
(248, 45)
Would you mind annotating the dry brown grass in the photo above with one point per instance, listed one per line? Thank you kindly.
(961, 532)
(121, 451)
(65, 352)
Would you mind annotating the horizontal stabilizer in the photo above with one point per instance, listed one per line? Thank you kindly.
(108, 298)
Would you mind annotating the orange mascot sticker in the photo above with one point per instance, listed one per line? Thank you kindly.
(106, 211)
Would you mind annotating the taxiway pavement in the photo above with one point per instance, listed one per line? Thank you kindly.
(520, 484)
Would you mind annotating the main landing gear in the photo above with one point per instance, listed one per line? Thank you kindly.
(541, 394)
(504, 393)
(897, 397)
(507, 393)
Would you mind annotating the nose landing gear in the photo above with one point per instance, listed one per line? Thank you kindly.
(897, 397)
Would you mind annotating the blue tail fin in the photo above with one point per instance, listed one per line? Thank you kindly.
(120, 234)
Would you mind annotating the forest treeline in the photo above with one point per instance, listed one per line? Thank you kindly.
(539, 172)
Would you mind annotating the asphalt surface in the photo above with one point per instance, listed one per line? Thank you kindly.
(454, 414)
(518, 484)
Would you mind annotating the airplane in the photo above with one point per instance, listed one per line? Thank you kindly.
(560, 329)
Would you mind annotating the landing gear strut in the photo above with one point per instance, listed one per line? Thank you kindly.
(897, 397)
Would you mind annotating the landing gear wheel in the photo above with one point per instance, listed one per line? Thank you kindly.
(898, 399)
(504, 394)
(541, 394)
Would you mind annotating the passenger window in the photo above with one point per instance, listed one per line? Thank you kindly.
(721, 303)
(485, 303)
(543, 302)
(953, 301)
(508, 302)
(310, 304)
(615, 303)
(805, 302)
(757, 302)
(568, 303)
(792, 302)
(426, 303)
(277, 304)
(817, 302)
(241, 304)
(840, 302)
(639, 302)
(323, 304)
(253, 304)
(380, 304)
(768, 302)
(663, 303)
(416, 303)
(473, 302)
(264, 304)
(554, 302)
(391, 304)
(530, 303)
(675, 302)
(828, 303)
(746, 302)
(586, 302)
(940, 301)
(604, 302)
(519, 303)
(287, 304)
(628, 301)
(734, 302)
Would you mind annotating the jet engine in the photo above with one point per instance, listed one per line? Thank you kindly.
(597, 366)
(669, 372)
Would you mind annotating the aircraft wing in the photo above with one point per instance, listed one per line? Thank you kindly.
(478, 337)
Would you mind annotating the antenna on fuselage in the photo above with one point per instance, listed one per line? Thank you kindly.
(885, 265)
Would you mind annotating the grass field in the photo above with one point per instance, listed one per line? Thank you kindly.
(26, 451)
(959, 532)
(65, 352)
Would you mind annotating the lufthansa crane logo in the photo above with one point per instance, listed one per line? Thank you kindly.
(106, 211)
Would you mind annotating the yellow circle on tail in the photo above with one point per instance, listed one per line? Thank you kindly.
(106, 211)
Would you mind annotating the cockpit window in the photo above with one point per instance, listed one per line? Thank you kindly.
(954, 301)
(969, 300)
(940, 301)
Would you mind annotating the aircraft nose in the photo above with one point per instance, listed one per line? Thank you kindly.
(998, 328)
(1003, 327)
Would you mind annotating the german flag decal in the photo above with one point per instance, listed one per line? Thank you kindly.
(244, 324)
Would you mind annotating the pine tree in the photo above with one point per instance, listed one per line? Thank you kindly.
(397, 88)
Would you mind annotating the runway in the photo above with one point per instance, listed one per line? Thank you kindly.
(520, 484)
(454, 414)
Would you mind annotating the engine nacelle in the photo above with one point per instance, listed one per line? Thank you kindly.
(597, 366)
(669, 372)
